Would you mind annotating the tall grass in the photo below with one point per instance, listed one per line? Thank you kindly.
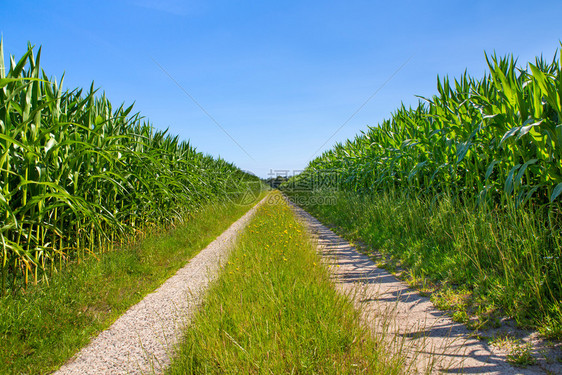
(479, 153)
(79, 175)
(499, 260)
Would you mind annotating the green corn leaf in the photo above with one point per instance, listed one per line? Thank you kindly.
(519, 176)
(463, 150)
(490, 169)
(531, 192)
(50, 143)
(508, 187)
(526, 128)
(6, 81)
(556, 192)
(510, 133)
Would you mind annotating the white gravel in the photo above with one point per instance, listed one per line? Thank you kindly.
(410, 323)
(142, 340)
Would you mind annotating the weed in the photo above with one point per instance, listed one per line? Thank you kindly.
(521, 355)
(461, 316)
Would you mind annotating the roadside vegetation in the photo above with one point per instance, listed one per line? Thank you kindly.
(275, 310)
(463, 191)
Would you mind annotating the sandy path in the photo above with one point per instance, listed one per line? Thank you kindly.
(430, 337)
(142, 340)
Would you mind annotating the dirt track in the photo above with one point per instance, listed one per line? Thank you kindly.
(142, 340)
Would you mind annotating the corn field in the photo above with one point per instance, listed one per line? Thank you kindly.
(79, 176)
(495, 141)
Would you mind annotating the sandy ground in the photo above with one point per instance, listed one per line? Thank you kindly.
(409, 322)
(142, 340)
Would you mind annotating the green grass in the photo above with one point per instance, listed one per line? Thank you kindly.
(44, 325)
(274, 310)
(482, 264)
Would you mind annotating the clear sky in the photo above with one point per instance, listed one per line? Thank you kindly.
(280, 77)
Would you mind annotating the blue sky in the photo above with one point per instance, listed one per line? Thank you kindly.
(279, 77)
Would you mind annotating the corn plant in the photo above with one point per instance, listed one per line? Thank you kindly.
(497, 140)
(79, 175)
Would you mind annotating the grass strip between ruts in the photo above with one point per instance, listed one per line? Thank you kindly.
(45, 325)
(275, 310)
